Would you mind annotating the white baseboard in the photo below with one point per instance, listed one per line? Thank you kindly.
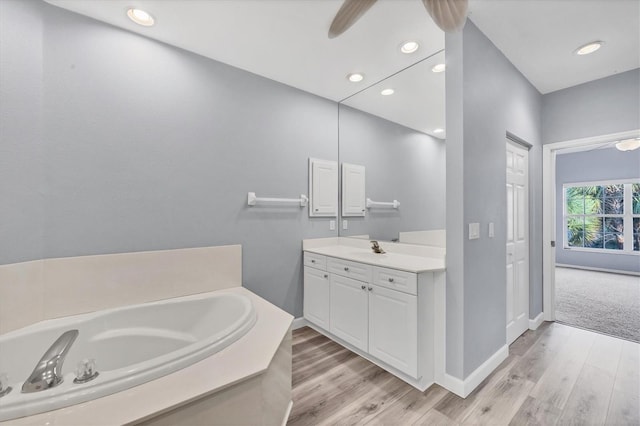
(287, 414)
(299, 323)
(464, 388)
(535, 323)
(588, 268)
(453, 384)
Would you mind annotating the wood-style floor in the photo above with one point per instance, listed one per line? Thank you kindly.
(554, 375)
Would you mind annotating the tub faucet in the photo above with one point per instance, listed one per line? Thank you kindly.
(48, 372)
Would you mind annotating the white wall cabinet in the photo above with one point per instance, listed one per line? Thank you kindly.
(375, 310)
(353, 190)
(323, 188)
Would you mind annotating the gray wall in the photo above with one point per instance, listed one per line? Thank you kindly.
(599, 107)
(591, 166)
(21, 144)
(401, 164)
(112, 142)
(486, 99)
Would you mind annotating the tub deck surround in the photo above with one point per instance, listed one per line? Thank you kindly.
(388, 308)
(131, 345)
(254, 370)
(54, 288)
(247, 358)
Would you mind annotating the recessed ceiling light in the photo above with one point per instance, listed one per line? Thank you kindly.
(628, 144)
(409, 47)
(387, 92)
(140, 17)
(438, 130)
(355, 77)
(438, 68)
(589, 48)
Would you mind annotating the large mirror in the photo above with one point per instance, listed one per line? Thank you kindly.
(399, 139)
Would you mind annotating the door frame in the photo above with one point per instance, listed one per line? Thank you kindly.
(549, 152)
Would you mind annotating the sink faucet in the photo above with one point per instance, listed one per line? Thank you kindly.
(48, 372)
(376, 247)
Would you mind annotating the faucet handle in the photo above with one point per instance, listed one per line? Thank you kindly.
(86, 371)
(4, 385)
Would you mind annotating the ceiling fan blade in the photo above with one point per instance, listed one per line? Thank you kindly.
(449, 15)
(349, 13)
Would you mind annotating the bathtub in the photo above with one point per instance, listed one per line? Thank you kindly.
(131, 345)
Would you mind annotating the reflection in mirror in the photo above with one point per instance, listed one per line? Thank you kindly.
(395, 138)
(353, 190)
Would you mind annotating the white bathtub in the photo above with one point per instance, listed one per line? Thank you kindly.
(131, 345)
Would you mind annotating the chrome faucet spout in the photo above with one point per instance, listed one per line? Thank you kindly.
(48, 372)
(376, 247)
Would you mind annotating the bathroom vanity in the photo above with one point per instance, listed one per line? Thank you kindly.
(388, 308)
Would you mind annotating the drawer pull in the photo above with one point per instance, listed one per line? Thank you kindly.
(363, 287)
(390, 280)
(326, 276)
(370, 288)
(346, 269)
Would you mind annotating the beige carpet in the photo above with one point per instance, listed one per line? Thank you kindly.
(599, 301)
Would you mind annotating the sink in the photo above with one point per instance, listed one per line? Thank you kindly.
(368, 256)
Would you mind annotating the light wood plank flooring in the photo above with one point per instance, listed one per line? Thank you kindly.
(554, 375)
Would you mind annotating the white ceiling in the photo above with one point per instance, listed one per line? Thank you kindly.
(418, 99)
(286, 41)
(539, 37)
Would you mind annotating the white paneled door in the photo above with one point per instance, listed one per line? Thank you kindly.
(517, 241)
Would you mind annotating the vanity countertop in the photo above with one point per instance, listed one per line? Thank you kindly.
(401, 261)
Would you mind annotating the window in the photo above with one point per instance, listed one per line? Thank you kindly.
(602, 216)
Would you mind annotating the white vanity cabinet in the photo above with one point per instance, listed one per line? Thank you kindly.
(371, 308)
(349, 311)
(316, 290)
(393, 328)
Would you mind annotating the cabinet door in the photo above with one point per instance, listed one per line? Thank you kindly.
(353, 190)
(323, 188)
(393, 329)
(316, 297)
(349, 311)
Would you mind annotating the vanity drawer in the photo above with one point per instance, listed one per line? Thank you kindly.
(393, 279)
(317, 261)
(346, 268)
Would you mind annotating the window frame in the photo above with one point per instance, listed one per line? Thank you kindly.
(627, 216)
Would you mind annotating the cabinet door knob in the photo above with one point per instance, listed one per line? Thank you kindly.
(326, 276)
(363, 287)
(346, 269)
(370, 288)
(390, 280)
(313, 261)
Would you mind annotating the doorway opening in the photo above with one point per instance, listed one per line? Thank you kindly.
(591, 226)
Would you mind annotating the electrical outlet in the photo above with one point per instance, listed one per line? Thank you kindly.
(492, 231)
(345, 224)
(474, 231)
(332, 225)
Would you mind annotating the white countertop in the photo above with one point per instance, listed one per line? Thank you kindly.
(401, 261)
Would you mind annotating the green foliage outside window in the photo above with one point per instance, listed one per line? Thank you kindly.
(588, 210)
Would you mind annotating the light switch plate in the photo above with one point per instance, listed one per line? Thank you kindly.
(474, 231)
